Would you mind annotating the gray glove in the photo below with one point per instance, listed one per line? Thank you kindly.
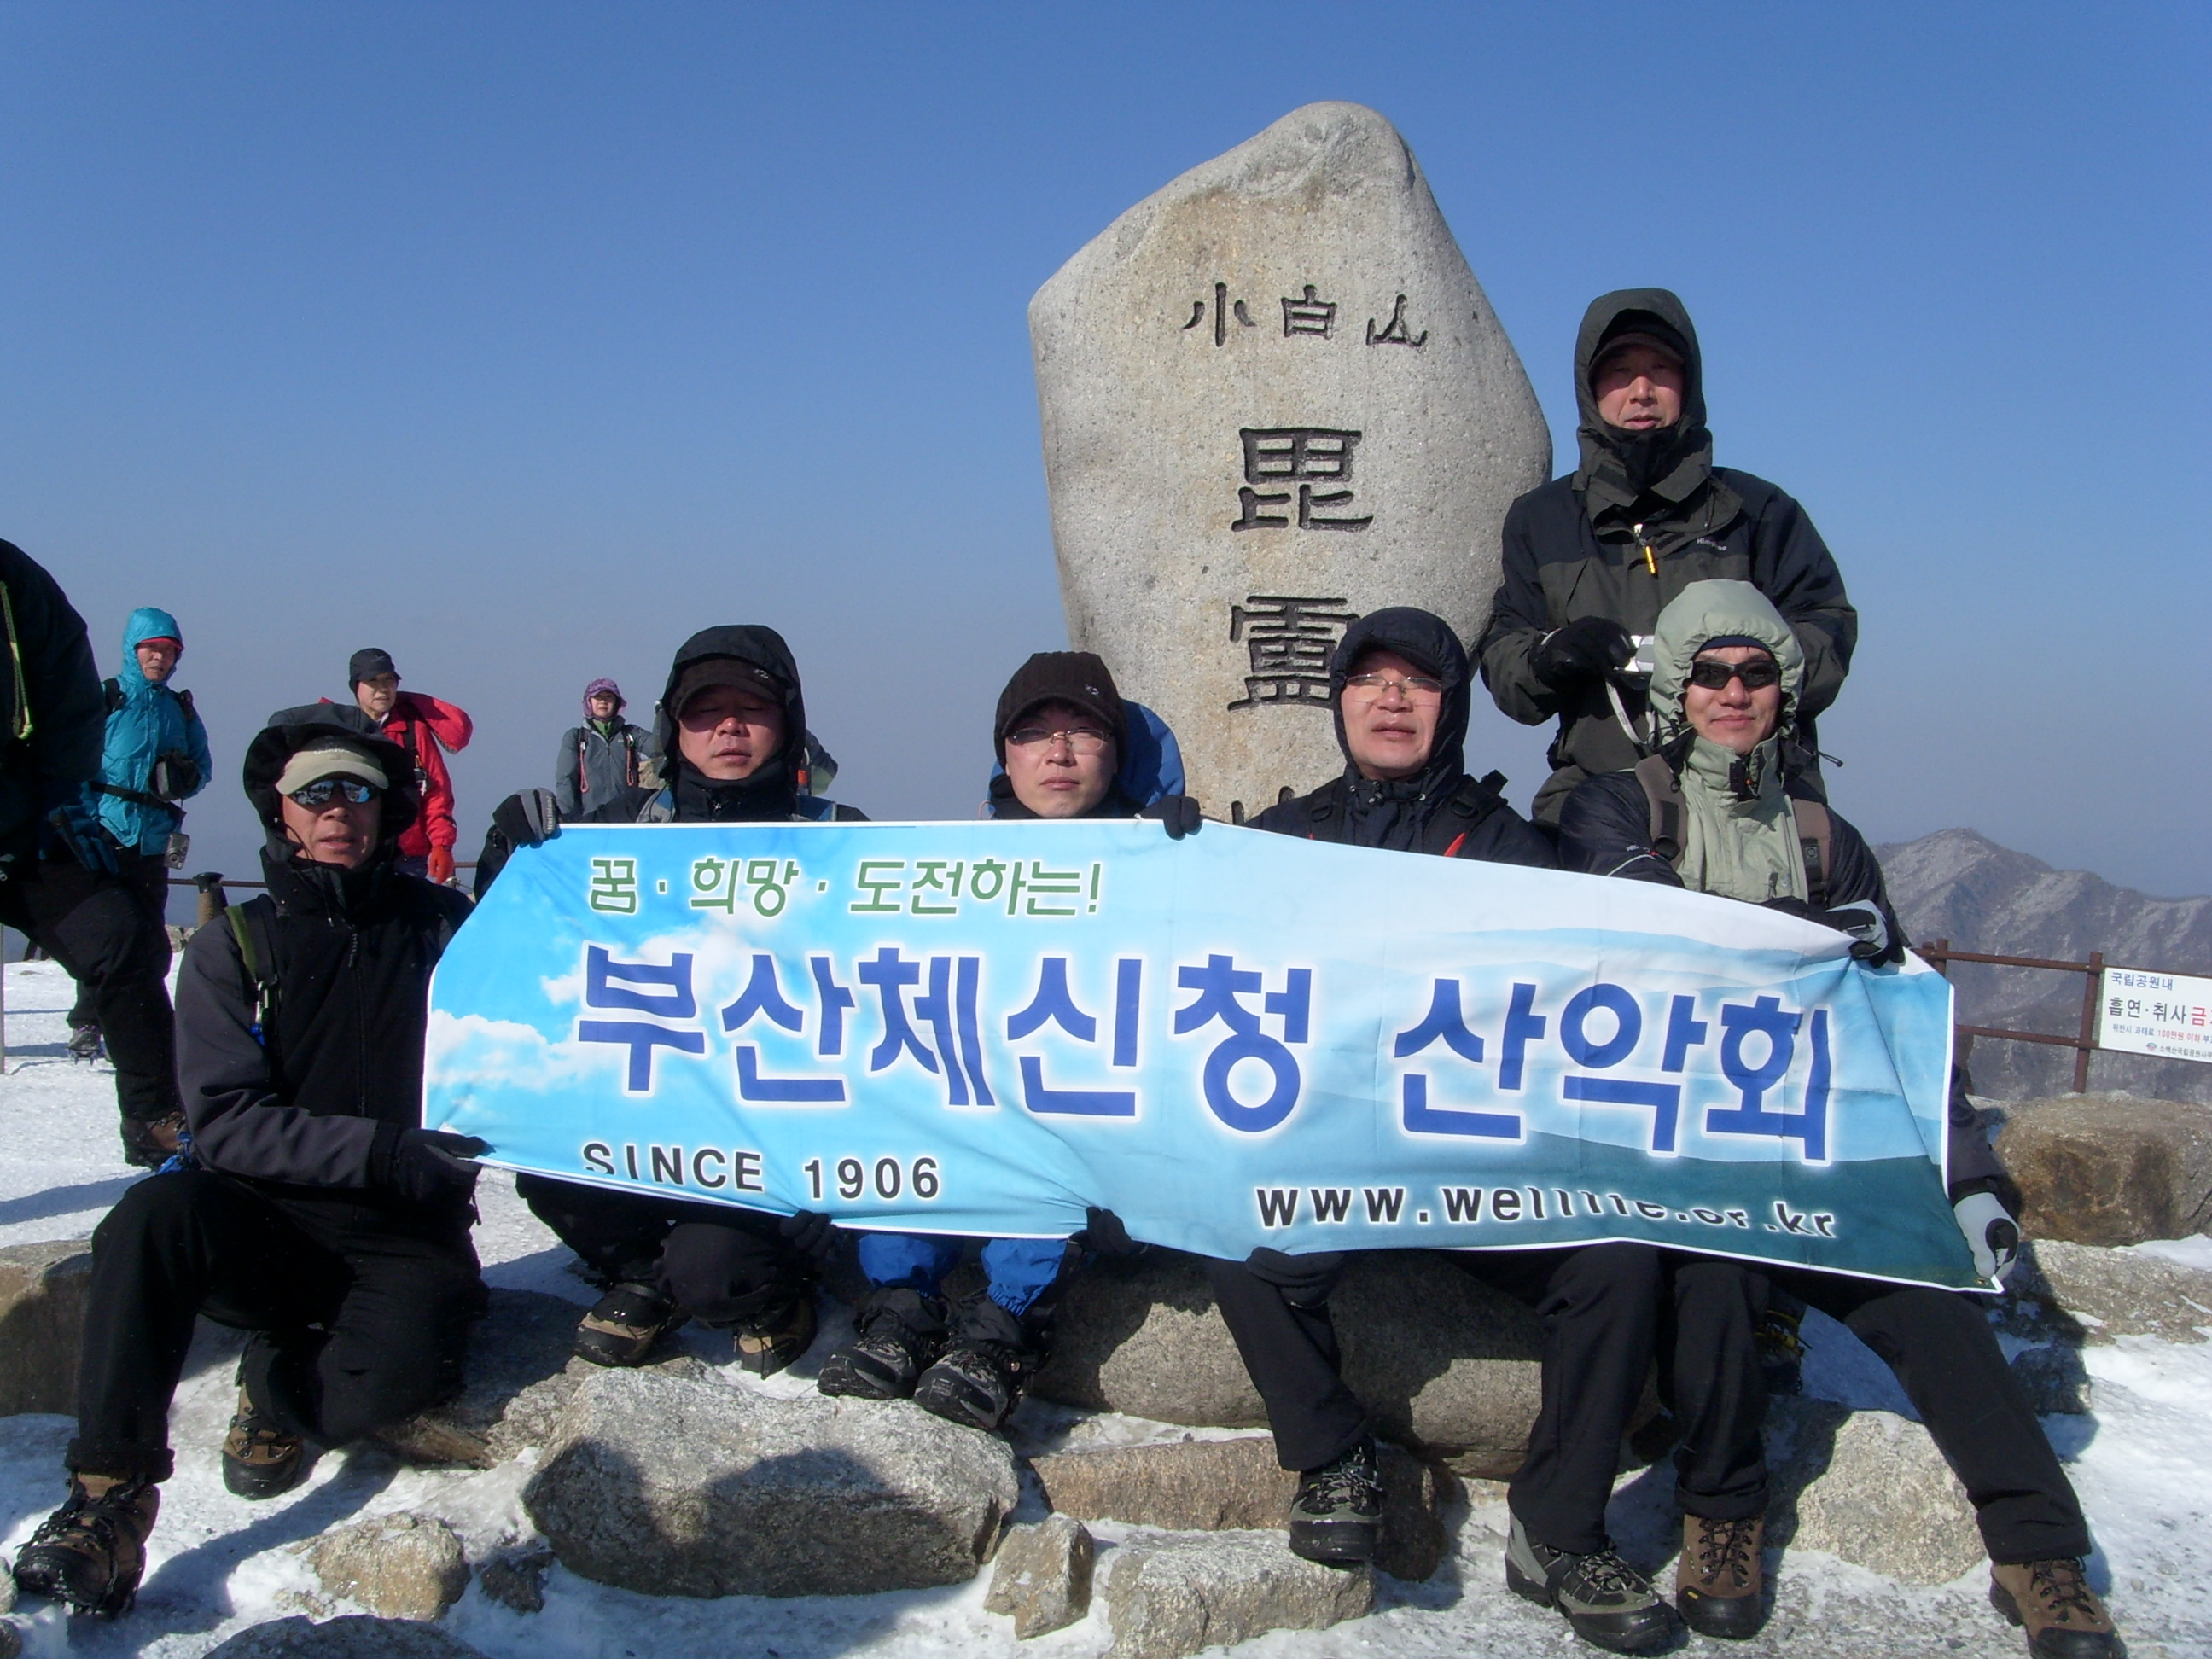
(529, 818)
(1991, 1234)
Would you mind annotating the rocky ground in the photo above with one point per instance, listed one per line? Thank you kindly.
(697, 1488)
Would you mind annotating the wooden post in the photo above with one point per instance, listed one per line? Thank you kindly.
(2092, 993)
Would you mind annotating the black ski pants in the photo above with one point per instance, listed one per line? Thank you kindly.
(1603, 1308)
(1941, 1346)
(100, 929)
(149, 878)
(362, 1313)
(721, 1264)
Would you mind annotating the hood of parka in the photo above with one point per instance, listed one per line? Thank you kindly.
(1709, 610)
(1392, 814)
(772, 790)
(1617, 465)
(146, 622)
(265, 758)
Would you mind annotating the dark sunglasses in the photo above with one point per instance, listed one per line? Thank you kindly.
(1757, 675)
(318, 794)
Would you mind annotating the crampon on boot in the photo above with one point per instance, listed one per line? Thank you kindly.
(259, 1460)
(1336, 1518)
(2052, 1602)
(86, 1043)
(770, 1341)
(91, 1551)
(623, 1324)
(901, 1332)
(1719, 1582)
(1781, 1347)
(1608, 1602)
(975, 1381)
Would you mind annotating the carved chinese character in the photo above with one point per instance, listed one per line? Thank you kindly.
(1224, 309)
(1296, 454)
(1289, 640)
(1394, 333)
(1310, 315)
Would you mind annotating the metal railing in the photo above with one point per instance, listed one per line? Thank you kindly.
(1940, 955)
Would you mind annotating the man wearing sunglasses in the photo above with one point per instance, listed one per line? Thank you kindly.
(313, 1210)
(1719, 810)
(1590, 559)
(1063, 736)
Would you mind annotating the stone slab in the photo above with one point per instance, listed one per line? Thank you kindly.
(2102, 1168)
(1868, 1487)
(1285, 339)
(1042, 1578)
(1171, 1594)
(42, 1291)
(350, 1638)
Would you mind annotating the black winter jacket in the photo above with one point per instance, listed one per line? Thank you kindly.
(1576, 547)
(53, 714)
(1605, 831)
(1442, 811)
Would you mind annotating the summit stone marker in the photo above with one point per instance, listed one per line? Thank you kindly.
(1274, 398)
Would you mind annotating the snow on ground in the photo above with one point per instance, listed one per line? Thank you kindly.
(2144, 1464)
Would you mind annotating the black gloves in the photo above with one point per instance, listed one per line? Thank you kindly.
(425, 1166)
(1861, 918)
(1177, 814)
(812, 1233)
(1102, 1232)
(1587, 648)
(74, 828)
(529, 818)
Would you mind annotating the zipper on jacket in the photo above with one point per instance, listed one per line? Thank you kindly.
(1650, 559)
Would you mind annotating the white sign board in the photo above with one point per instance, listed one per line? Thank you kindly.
(2169, 1015)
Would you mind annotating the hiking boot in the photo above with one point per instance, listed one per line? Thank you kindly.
(2053, 1602)
(259, 1460)
(623, 1324)
(91, 1551)
(1336, 1518)
(768, 1343)
(1718, 1582)
(975, 1381)
(1608, 1602)
(890, 1353)
(1780, 1346)
(86, 1043)
(148, 1143)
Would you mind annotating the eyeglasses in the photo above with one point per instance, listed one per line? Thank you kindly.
(1082, 739)
(1710, 674)
(318, 794)
(1414, 688)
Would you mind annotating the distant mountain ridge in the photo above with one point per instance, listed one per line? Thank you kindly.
(1960, 886)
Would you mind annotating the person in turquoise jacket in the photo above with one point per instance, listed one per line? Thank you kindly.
(155, 755)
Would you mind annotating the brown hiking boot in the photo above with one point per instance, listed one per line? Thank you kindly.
(91, 1551)
(1718, 1582)
(766, 1344)
(2053, 1602)
(259, 1460)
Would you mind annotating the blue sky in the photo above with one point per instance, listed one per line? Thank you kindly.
(522, 339)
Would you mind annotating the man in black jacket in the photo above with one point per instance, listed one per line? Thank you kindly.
(59, 880)
(1590, 559)
(1714, 811)
(1400, 685)
(733, 725)
(320, 1216)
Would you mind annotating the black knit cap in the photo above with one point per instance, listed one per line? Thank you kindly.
(1079, 677)
(366, 665)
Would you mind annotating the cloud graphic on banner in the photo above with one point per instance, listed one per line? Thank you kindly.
(505, 1054)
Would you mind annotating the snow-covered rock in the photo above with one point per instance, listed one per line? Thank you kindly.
(354, 1638)
(402, 1566)
(1172, 1594)
(672, 1486)
(1041, 1579)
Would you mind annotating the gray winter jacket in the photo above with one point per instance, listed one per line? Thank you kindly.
(598, 760)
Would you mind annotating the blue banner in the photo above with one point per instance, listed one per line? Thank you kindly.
(1233, 1039)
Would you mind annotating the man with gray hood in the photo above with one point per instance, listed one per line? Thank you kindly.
(1718, 810)
(1589, 560)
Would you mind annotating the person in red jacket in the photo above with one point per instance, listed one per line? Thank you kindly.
(420, 725)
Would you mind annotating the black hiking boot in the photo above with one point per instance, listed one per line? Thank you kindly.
(768, 1343)
(86, 1043)
(259, 1460)
(1781, 1348)
(900, 1333)
(91, 1551)
(975, 1381)
(1719, 1582)
(2054, 1604)
(1608, 1602)
(148, 1143)
(1336, 1518)
(623, 1324)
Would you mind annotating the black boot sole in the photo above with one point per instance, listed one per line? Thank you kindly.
(957, 1405)
(1645, 1640)
(2055, 1643)
(1336, 1543)
(1726, 1619)
(254, 1481)
(116, 1600)
(844, 1377)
